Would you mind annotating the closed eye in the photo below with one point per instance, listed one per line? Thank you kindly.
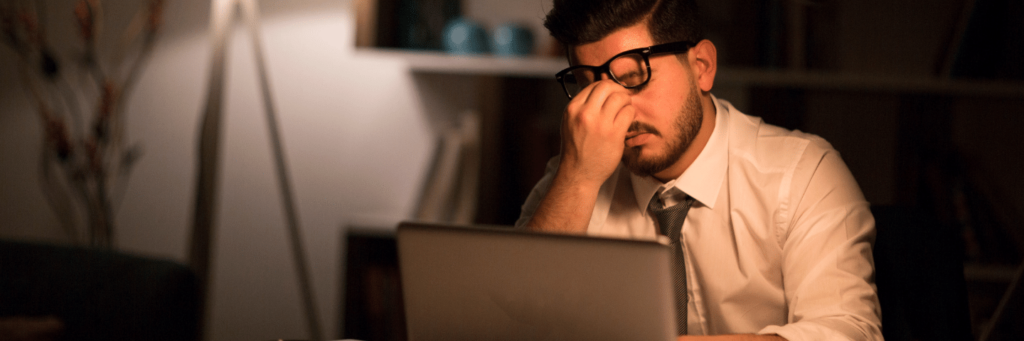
(639, 88)
(631, 78)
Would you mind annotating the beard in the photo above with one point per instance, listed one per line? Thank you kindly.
(687, 124)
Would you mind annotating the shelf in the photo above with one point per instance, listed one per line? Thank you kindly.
(868, 83)
(481, 65)
(546, 67)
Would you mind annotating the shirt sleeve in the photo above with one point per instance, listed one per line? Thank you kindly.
(828, 269)
(537, 194)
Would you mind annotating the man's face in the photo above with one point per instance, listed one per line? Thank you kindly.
(668, 107)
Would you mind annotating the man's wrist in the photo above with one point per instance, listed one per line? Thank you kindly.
(566, 207)
(571, 177)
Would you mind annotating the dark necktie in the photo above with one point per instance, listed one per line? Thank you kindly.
(670, 220)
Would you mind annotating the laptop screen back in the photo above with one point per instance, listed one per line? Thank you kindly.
(494, 284)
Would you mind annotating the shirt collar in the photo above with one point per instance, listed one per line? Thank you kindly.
(703, 179)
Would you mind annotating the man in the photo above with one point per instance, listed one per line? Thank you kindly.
(777, 237)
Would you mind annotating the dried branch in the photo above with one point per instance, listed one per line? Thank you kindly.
(84, 165)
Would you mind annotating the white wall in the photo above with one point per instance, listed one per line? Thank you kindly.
(355, 134)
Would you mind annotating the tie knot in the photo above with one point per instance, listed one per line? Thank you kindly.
(670, 219)
(670, 196)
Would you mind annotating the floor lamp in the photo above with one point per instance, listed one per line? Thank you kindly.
(222, 20)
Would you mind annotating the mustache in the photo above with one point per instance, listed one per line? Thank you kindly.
(640, 127)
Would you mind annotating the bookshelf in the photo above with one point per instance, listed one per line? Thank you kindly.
(476, 65)
(434, 62)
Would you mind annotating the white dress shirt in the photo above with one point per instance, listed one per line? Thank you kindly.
(778, 240)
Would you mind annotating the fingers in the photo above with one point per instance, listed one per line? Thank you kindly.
(595, 95)
(615, 102)
(624, 118)
(593, 130)
(601, 101)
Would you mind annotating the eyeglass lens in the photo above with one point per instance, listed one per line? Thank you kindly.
(629, 70)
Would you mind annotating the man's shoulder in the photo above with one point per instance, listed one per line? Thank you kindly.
(771, 146)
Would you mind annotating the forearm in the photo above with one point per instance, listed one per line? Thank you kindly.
(594, 126)
(566, 208)
(738, 337)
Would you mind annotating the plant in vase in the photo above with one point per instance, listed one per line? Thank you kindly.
(80, 100)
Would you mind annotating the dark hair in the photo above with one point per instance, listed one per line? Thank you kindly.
(578, 22)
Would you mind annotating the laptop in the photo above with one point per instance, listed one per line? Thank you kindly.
(489, 283)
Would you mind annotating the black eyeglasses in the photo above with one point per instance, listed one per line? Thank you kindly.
(631, 69)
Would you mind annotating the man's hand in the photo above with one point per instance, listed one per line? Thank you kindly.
(594, 129)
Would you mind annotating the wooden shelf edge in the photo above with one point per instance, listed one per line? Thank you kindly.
(819, 80)
(545, 68)
(482, 65)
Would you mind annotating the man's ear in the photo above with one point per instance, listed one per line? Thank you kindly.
(704, 63)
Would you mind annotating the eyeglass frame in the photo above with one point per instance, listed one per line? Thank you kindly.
(645, 52)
